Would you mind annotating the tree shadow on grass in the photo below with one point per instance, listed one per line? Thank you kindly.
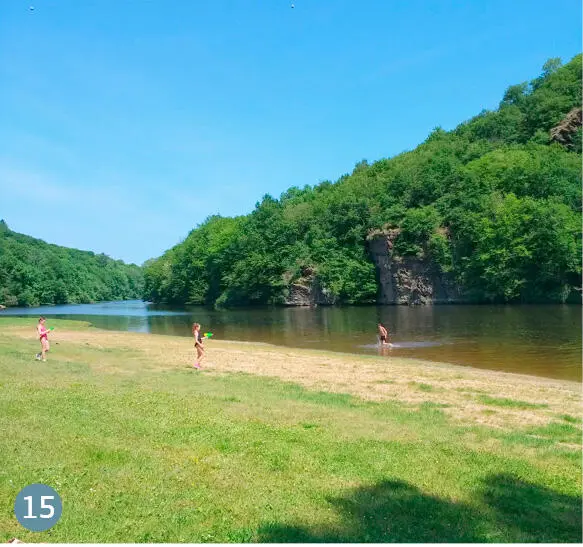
(388, 511)
(506, 510)
(533, 513)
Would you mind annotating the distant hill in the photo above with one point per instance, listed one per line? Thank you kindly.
(488, 212)
(33, 272)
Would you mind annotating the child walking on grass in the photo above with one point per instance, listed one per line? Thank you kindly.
(44, 340)
(198, 345)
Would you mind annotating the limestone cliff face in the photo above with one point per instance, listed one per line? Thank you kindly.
(410, 281)
(564, 132)
(308, 291)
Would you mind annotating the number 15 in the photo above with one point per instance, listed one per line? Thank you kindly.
(43, 505)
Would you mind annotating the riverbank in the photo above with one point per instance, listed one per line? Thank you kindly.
(467, 394)
(541, 341)
(276, 444)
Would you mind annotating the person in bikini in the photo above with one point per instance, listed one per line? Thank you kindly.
(198, 345)
(44, 339)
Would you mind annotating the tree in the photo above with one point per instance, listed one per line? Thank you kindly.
(493, 203)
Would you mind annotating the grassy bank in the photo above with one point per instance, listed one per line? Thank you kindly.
(273, 444)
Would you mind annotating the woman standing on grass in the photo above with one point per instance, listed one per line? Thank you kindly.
(197, 344)
(44, 339)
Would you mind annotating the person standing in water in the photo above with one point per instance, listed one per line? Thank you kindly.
(383, 335)
(198, 345)
(44, 339)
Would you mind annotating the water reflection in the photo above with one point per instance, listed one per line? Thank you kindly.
(540, 340)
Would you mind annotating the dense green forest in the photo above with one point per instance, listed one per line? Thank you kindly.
(495, 204)
(33, 272)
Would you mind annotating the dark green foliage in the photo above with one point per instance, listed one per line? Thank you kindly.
(494, 204)
(33, 272)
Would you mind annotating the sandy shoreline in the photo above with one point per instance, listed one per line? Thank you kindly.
(472, 395)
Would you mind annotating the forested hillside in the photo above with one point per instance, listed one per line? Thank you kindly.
(494, 205)
(33, 272)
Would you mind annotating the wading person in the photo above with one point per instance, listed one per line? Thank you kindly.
(44, 340)
(383, 335)
(198, 345)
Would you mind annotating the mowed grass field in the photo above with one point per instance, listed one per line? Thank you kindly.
(272, 445)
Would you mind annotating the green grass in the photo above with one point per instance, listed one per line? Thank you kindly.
(509, 403)
(421, 386)
(571, 419)
(559, 432)
(140, 455)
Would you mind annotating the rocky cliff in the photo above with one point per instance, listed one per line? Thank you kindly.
(402, 280)
(308, 295)
(409, 280)
(308, 292)
(564, 132)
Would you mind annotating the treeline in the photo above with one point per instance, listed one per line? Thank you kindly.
(495, 204)
(33, 272)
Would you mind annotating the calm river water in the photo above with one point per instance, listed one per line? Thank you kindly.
(538, 340)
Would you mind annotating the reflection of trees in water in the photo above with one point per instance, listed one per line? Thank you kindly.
(531, 324)
(526, 323)
(505, 509)
(314, 322)
(132, 323)
(329, 324)
(277, 325)
(175, 325)
(532, 339)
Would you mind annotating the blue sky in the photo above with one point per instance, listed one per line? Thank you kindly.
(124, 123)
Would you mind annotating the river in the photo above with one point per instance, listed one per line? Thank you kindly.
(536, 340)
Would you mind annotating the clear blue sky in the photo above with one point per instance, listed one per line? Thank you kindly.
(124, 123)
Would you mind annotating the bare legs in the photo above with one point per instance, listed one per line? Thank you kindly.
(45, 347)
(199, 356)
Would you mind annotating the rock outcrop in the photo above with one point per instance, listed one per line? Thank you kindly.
(564, 132)
(308, 291)
(409, 280)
